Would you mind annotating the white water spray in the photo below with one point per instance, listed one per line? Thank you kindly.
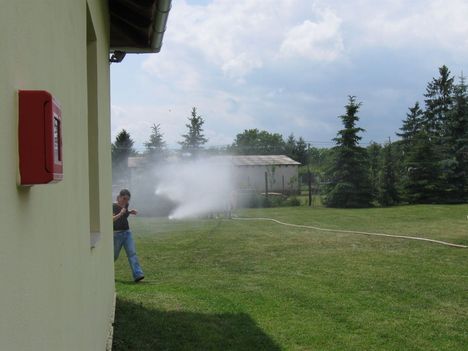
(196, 187)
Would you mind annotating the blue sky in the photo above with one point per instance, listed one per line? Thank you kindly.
(287, 66)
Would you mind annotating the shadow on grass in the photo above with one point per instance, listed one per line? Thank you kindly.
(139, 328)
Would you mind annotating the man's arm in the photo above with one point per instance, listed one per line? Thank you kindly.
(120, 214)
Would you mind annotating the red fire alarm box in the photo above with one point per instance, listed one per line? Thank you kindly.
(40, 138)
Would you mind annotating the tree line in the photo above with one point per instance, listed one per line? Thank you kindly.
(249, 142)
(428, 164)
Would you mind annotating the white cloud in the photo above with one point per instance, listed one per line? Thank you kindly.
(320, 41)
(240, 36)
(241, 65)
(429, 24)
(173, 66)
(296, 61)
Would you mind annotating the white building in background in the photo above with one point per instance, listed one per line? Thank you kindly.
(279, 172)
(250, 172)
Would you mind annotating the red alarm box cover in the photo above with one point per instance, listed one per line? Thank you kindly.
(40, 138)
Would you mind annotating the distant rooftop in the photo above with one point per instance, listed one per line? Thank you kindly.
(257, 160)
(242, 160)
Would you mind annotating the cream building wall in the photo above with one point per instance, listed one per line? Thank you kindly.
(281, 178)
(56, 291)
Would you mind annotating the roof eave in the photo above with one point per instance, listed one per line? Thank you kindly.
(156, 31)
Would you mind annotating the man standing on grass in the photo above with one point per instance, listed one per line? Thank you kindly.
(123, 235)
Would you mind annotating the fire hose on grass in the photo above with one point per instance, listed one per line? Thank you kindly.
(351, 231)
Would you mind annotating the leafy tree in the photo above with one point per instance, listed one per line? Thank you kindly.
(255, 142)
(155, 146)
(349, 174)
(122, 149)
(317, 161)
(194, 139)
(320, 159)
(388, 193)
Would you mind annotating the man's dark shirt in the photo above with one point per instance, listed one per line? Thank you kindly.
(122, 222)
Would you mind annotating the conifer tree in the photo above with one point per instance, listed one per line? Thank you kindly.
(455, 164)
(373, 152)
(438, 103)
(121, 149)
(435, 127)
(155, 146)
(420, 182)
(290, 147)
(387, 194)
(411, 126)
(194, 140)
(301, 151)
(349, 184)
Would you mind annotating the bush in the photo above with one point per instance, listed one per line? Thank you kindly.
(250, 199)
(294, 201)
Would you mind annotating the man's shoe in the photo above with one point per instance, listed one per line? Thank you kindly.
(139, 279)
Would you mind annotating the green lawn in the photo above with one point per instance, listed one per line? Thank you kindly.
(233, 285)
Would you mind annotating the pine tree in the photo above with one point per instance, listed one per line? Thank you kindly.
(411, 126)
(122, 149)
(349, 174)
(373, 152)
(421, 179)
(455, 163)
(438, 103)
(434, 126)
(399, 155)
(194, 140)
(155, 146)
(301, 151)
(387, 194)
(296, 149)
(290, 147)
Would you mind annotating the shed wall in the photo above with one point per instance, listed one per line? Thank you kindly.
(280, 178)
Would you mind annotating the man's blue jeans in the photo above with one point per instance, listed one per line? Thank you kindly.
(125, 239)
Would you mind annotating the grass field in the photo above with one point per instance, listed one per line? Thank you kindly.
(233, 285)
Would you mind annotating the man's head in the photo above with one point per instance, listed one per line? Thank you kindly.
(124, 197)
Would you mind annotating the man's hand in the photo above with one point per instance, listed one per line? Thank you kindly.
(133, 212)
(123, 211)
